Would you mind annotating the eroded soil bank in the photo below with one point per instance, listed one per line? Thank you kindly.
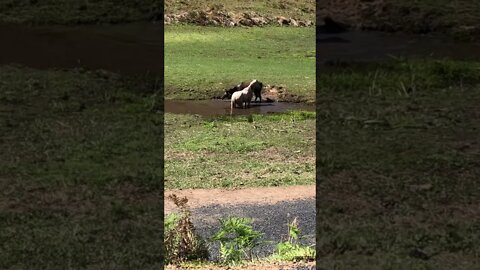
(254, 266)
(214, 17)
(240, 13)
(457, 18)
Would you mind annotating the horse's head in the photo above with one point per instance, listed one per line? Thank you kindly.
(228, 93)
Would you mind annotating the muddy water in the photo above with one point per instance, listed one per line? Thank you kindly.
(222, 107)
(374, 46)
(126, 49)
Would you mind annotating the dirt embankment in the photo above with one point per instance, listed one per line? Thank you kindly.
(215, 17)
(461, 19)
(253, 266)
(281, 94)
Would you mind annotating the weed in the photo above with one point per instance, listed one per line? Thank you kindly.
(181, 241)
(291, 250)
(237, 239)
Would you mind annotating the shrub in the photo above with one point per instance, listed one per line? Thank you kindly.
(181, 241)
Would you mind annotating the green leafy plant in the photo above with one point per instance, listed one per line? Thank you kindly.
(181, 241)
(291, 250)
(237, 239)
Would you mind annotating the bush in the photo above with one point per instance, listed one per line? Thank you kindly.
(181, 241)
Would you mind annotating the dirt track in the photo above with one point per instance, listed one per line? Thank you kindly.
(270, 195)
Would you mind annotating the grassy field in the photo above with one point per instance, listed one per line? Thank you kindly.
(459, 18)
(267, 150)
(80, 170)
(201, 62)
(399, 158)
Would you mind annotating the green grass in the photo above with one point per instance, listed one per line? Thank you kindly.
(233, 152)
(299, 9)
(397, 80)
(80, 170)
(201, 62)
(399, 169)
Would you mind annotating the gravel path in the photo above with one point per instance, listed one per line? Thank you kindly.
(270, 219)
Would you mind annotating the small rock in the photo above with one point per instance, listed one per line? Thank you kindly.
(293, 22)
(427, 186)
(419, 254)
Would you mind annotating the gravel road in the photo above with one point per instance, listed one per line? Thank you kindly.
(270, 219)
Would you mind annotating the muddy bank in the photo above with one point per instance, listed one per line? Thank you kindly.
(375, 45)
(36, 12)
(460, 19)
(240, 13)
(252, 266)
(126, 49)
(222, 107)
(215, 17)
